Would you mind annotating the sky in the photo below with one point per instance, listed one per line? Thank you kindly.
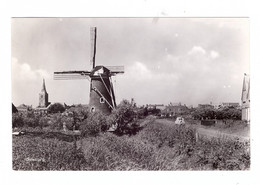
(187, 60)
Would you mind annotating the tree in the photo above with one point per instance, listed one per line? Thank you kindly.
(55, 108)
(211, 113)
(204, 113)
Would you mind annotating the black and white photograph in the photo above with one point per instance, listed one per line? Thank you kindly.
(130, 94)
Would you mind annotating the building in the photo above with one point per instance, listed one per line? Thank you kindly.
(155, 106)
(245, 99)
(229, 104)
(43, 97)
(160, 107)
(24, 108)
(175, 109)
(203, 106)
(43, 100)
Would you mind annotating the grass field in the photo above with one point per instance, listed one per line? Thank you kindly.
(160, 145)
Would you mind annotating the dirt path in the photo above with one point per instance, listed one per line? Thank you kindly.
(216, 133)
(208, 132)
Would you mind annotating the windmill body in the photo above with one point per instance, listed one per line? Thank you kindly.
(102, 95)
(245, 99)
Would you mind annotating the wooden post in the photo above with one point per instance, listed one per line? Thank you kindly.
(197, 136)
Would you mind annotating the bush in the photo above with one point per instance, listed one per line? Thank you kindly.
(17, 120)
(28, 119)
(94, 124)
(125, 116)
(79, 113)
(43, 121)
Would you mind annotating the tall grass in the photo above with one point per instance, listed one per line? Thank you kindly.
(157, 146)
(36, 153)
(164, 147)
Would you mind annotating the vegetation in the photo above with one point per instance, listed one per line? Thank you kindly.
(37, 153)
(125, 117)
(220, 114)
(94, 124)
(56, 107)
(138, 143)
(27, 119)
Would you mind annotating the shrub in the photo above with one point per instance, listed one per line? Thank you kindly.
(125, 116)
(43, 121)
(28, 119)
(17, 120)
(94, 124)
(79, 112)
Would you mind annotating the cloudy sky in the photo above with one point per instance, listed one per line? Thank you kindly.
(186, 60)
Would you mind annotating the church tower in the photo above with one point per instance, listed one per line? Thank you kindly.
(43, 96)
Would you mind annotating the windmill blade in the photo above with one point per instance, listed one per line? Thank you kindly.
(112, 92)
(93, 39)
(71, 75)
(115, 69)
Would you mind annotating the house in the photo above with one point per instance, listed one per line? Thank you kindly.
(245, 99)
(204, 106)
(155, 108)
(229, 104)
(175, 109)
(24, 108)
(42, 109)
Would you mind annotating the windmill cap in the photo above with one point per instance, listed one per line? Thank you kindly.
(99, 70)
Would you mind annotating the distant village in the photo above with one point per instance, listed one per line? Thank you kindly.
(170, 110)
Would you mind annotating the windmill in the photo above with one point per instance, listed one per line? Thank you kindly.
(102, 96)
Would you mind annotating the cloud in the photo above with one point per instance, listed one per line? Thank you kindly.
(197, 50)
(214, 54)
(139, 70)
(23, 72)
(145, 85)
(200, 51)
(26, 83)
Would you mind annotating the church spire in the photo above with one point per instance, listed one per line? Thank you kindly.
(43, 86)
(43, 96)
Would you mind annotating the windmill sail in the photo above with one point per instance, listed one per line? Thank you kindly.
(93, 39)
(71, 75)
(115, 69)
(102, 95)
